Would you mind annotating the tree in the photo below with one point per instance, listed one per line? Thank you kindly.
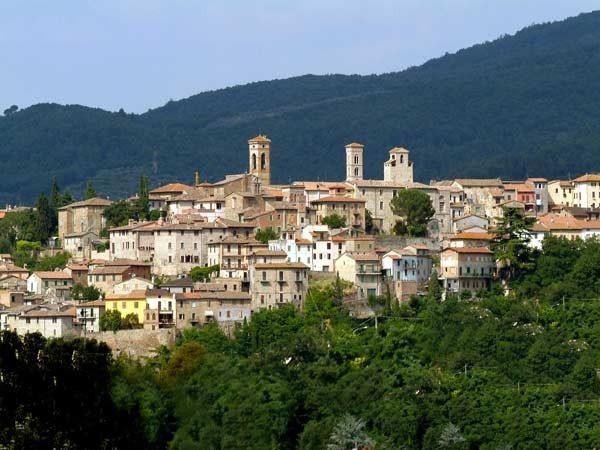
(203, 274)
(67, 198)
(90, 192)
(44, 218)
(56, 202)
(415, 209)
(349, 434)
(266, 235)
(434, 289)
(450, 436)
(143, 204)
(13, 109)
(334, 221)
(110, 320)
(50, 263)
(369, 222)
(130, 322)
(87, 293)
(119, 213)
(511, 236)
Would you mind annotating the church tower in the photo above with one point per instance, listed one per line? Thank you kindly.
(398, 168)
(354, 162)
(259, 151)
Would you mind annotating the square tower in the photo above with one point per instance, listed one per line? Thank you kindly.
(398, 168)
(354, 161)
(259, 152)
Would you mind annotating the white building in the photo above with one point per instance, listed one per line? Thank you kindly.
(50, 320)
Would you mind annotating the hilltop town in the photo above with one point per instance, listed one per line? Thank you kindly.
(219, 252)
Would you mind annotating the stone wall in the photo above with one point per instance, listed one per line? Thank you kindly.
(136, 343)
(398, 242)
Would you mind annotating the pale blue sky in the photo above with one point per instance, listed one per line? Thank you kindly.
(138, 54)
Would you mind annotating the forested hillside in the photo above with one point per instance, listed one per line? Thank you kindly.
(522, 105)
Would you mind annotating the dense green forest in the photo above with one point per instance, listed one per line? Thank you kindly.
(519, 106)
(501, 372)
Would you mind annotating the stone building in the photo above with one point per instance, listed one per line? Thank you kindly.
(467, 268)
(82, 217)
(363, 270)
(351, 209)
(278, 283)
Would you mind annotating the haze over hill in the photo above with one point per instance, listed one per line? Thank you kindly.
(522, 105)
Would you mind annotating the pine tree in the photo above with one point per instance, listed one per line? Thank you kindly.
(434, 289)
(56, 202)
(90, 192)
(43, 218)
(143, 200)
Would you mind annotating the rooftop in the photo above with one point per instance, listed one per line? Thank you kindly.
(95, 201)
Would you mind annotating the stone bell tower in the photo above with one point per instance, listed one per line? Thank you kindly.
(354, 162)
(259, 152)
(399, 168)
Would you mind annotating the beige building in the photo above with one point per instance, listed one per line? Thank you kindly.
(195, 309)
(106, 276)
(467, 268)
(82, 217)
(561, 192)
(363, 270)
(587, 191)
(12, 291)
(56, 285)
(276, 284)
(351, 209)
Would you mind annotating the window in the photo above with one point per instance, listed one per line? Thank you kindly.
(123, 305)
(136, 305)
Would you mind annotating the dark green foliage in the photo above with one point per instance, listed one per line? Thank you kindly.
(511, 236)
(57, 394)
(86, 293)
(266, 235)
(508, 108)
(44, 218)
(143, 204)
(414, 208)
(334, 221)
(111, 320)
(119, 213)
(50, 263)
(203, 273)
(90, 191)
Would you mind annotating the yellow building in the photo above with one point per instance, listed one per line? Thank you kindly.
(131, 303)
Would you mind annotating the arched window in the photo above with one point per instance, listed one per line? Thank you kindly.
(263, 161)
(401, 159)
(356, 171)
(253, 161)
(355, 159)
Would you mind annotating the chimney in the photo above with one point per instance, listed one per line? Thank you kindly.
(196, 178)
